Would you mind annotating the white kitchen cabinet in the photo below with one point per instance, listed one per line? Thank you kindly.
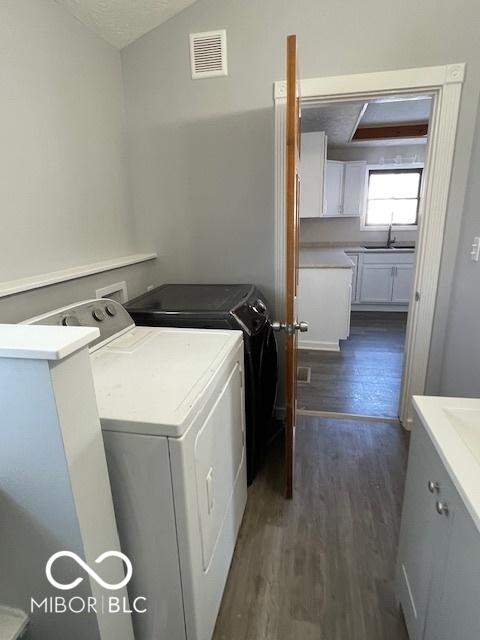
(385, 277)
(438, 567)
(376, 284)
(334, 188)
(354, 188)
(402, 283)
(313, 162)
(324, 297)
(354, 258)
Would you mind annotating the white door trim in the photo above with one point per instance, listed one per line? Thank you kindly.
(445, 84)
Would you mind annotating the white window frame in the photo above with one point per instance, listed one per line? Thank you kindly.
(386, 167)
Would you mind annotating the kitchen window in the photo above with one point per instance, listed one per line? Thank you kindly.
(393, 197)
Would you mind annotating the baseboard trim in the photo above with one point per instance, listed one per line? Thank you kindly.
(314, 345)
(346, 416)
(385, 308)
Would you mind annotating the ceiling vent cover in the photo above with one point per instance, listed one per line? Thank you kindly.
(208, 54)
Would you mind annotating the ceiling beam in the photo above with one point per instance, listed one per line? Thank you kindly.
(391, 131)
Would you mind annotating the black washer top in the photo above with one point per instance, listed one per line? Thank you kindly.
(192, 298)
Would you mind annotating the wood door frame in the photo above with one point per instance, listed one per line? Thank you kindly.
(444, 83)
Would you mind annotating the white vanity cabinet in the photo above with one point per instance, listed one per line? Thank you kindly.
(438, 566)
(386, 277)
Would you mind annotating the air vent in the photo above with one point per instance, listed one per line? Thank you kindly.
(208, 54)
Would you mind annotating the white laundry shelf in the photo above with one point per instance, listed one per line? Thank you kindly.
(54, 277)
(43, 342)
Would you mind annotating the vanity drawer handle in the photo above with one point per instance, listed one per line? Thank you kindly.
(442, 508)
(433, 487)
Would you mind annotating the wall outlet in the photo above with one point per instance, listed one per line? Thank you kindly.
(475, 252)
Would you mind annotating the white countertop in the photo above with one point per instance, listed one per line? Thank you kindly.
(460, 453)
(307, 246)
(42, 342)
(324, 259)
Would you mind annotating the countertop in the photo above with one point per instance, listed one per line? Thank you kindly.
(43, 342)
(459, 454)
(354, 248)
(324, 259)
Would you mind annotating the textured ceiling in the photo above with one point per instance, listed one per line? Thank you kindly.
(339, 120)
(120, 22)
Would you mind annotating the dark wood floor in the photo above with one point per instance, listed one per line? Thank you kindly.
(365, 376)
(320, 567)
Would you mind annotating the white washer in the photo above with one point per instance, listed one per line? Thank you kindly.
(171, 407)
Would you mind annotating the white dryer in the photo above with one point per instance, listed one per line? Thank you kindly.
(172, 412)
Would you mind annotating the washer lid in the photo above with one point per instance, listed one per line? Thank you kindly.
(150, 380)
(191, 298)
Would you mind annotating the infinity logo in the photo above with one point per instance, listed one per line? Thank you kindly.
(91, 573)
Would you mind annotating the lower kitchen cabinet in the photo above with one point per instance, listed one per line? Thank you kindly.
(438, 567)
(324, 298)
(376, 283)
(385, 278)
(402, 283)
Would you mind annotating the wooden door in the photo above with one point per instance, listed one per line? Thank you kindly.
(292, 195)
(290, 324)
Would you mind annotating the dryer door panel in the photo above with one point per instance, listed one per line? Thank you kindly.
(139, 469)
(219, 453)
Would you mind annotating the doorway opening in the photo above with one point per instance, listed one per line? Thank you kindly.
(361, 174)
(442, 87)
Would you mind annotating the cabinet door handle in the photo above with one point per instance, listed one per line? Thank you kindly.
(442, 508)
(433, 487)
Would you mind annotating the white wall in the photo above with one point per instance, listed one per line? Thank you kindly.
(460, 373)
(63, 183)
(201, 152)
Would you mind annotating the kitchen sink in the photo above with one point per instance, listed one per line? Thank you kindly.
(376, 247)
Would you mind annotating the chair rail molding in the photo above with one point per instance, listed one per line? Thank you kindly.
(444, 83)
(11, 287)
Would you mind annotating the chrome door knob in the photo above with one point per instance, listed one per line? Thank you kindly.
(301, 326)
(290, 329)
(433, 487)
(442, 508)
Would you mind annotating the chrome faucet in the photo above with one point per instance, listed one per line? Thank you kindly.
(390, 240)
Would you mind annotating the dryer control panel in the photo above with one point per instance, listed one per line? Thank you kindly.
(107, 315)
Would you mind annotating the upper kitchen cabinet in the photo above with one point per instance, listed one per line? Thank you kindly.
(334, 188)
(312, 174)
(345, 188)
(329, 188)
(354, 187)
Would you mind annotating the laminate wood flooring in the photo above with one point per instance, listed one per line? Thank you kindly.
(365, 376)
(320, 567)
